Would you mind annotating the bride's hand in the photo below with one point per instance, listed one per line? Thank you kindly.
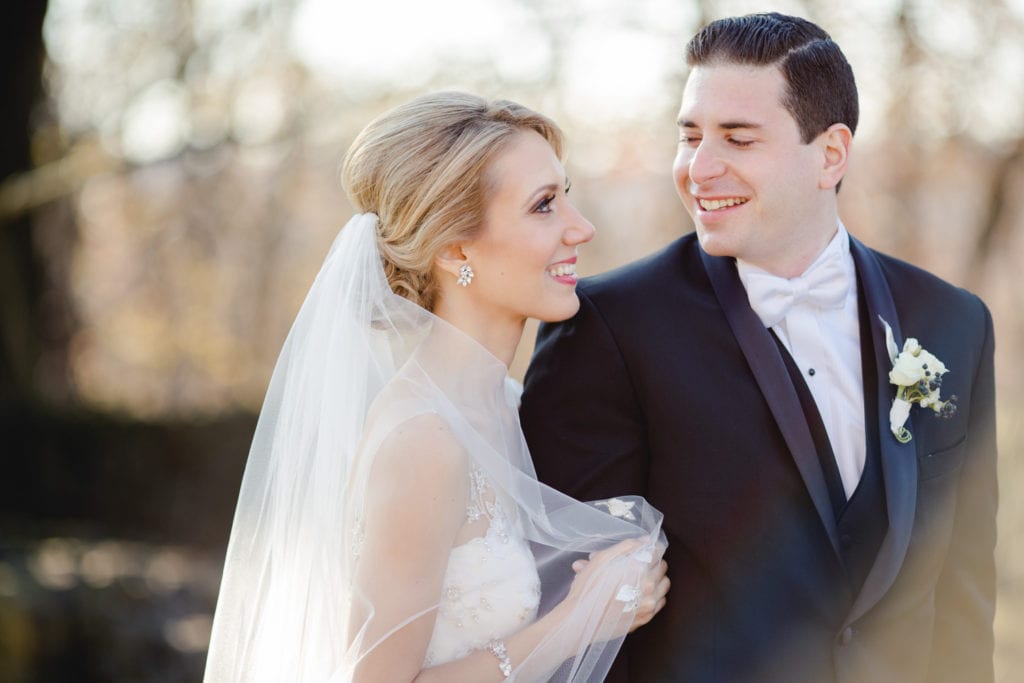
(653, 586)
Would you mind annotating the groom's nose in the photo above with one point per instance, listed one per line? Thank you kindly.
(705, 164)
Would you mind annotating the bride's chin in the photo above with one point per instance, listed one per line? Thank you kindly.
(568, 310)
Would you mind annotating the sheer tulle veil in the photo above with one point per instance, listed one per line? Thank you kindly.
(359, 362)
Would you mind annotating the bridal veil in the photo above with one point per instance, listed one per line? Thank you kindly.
(298, 600)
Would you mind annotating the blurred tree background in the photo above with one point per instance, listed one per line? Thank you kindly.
(168, 188)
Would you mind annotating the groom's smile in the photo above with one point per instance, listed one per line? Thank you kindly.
(719, 204)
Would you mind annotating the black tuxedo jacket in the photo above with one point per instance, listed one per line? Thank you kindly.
(667, 385)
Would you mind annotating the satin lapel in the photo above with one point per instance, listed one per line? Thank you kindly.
(899, 461)
(770, 372)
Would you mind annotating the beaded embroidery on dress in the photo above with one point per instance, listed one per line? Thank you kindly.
(491, 587)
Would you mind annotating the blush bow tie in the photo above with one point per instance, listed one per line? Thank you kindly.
(824, 285)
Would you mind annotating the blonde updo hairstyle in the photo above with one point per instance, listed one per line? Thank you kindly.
(422, 167)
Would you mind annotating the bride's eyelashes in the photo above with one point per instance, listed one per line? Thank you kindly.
(544, 205)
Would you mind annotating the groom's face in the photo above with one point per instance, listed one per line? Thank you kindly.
(750, 183)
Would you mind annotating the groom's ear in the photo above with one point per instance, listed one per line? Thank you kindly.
(451, 258)
(834, 144)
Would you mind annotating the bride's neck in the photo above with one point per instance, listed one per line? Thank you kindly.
(499, 334)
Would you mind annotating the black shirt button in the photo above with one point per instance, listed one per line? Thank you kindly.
(811, 372)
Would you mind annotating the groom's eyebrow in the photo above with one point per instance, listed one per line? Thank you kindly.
(733, 125)
(726, 125)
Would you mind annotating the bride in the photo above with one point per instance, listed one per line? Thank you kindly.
(390, 525)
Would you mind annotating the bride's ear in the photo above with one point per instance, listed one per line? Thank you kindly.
(451, 258)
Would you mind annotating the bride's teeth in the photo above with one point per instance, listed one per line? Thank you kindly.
(563, 269)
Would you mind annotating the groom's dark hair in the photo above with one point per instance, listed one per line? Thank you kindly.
(820, 88)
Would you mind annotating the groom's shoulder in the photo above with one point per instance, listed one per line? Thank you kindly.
(925, 297)
(908, 281)
(673, 263)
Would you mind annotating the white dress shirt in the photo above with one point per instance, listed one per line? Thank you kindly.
(825, 345)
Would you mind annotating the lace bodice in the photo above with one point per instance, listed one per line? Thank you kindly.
(491, 588)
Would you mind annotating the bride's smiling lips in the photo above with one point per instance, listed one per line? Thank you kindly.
(564, 271)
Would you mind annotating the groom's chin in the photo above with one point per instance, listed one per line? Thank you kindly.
(713, 244)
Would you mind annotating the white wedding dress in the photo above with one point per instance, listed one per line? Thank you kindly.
(491, 586)
(380, 420)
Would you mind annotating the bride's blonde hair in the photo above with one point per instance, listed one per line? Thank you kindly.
(422, 168)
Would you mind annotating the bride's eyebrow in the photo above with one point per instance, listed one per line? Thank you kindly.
(543, 189)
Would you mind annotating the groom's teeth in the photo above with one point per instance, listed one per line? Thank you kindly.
(715, 204)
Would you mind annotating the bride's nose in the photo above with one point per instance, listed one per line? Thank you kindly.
(579, 230)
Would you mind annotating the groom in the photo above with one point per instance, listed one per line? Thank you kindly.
(739, 379)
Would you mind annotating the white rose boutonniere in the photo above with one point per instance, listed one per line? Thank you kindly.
(917, 375)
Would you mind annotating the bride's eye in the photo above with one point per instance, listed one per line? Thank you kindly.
(544, 205)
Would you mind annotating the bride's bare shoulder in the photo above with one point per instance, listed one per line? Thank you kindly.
(420, 449)
(425, 435)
